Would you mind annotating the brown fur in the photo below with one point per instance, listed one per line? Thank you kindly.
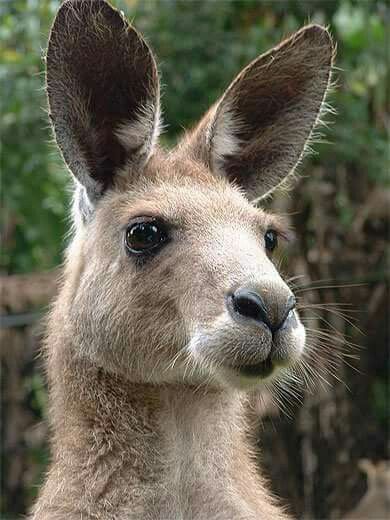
(146, 406)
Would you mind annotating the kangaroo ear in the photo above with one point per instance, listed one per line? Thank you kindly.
(103, 91)
(256, 134)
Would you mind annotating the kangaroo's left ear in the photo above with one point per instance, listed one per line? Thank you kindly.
(103, 91)
(256, 133)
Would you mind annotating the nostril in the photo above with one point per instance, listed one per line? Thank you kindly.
(246, 303)
(249, 304)
(291, 304)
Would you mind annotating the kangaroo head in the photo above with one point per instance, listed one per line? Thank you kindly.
(170, 275)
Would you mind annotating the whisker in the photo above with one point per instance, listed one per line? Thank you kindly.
(325, 306)
(337, 312)
(333, 327)
(336, 337)
(331, 286)
(291, 279)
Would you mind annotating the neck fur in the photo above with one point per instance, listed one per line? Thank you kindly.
(173, 451)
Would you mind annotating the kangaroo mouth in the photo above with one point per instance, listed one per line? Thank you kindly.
(262, 369)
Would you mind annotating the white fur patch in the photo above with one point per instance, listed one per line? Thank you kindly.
(298, 337)
(222, 136)
(141, 134)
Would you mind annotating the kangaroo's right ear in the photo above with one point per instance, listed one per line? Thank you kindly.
(103, 91)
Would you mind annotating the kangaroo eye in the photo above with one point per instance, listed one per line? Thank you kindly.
(271, 240)
(144, 235)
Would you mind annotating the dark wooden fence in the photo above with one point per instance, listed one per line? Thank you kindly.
(23, 301)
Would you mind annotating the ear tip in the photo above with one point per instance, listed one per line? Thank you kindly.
(78, 17)
(318, 34)
(76, 8)
(79, 4)
(69, 4)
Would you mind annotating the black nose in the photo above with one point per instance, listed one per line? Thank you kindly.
(249, 304)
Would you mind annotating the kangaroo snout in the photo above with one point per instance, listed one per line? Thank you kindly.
(268, 307)
(266, 330)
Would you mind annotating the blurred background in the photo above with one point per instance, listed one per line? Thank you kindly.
(326, 455)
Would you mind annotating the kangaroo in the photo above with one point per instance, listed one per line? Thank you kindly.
(171, 310)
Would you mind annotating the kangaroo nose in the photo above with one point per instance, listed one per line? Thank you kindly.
(249, 304)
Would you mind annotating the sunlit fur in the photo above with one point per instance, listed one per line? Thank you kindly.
(147, 404)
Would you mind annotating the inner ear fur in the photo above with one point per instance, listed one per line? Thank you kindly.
(256, 134)
(103, 92)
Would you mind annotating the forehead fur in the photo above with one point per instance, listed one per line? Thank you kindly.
(186, 194)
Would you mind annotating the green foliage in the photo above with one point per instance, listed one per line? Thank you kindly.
(33, 192)
(359, 135)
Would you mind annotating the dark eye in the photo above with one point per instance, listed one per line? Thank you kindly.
(145, 235)
(271, 240)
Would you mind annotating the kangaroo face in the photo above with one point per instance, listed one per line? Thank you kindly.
(178, 280)
(173, 272)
